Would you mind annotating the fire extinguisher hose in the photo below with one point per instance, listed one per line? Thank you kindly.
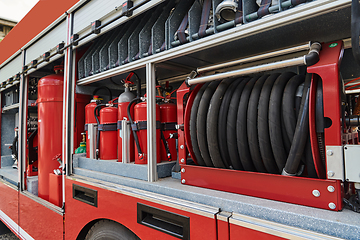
(132, 122)
(98, 131)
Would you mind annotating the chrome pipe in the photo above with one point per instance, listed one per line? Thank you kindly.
(245, 71)
(281, 52)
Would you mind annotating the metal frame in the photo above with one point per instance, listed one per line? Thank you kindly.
(215, 178)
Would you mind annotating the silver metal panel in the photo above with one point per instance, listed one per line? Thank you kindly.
(151, 122)
(275, 229)
(11, 69)
(95, 10)
(47, 43)
(352, 163)
(335, 162)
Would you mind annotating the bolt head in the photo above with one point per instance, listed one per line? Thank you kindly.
(331, 188)
(329, 152)
(182, 147)
(182, 160)
(316, 193)
(330, 173)
(183, 170)
(332, 205)
(183, 181)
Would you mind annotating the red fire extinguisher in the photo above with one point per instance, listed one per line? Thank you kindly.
(90, 120)
(107, 132)
(50, 107)
(139, 127)
(168, 130)
(91, 125)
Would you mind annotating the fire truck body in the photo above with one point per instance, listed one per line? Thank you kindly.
(213, 171)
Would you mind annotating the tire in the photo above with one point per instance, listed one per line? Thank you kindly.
(109, 230)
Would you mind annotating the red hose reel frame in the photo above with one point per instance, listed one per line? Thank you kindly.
(296, 190)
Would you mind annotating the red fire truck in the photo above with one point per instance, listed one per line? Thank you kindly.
(169, 119)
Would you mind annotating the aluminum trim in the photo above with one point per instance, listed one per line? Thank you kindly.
(352, 170)
(256, 58)
(184, 205)
(256, 69)
(275, 229)
(151, 122)
(299, 13)
(335, 162)
(224, 216)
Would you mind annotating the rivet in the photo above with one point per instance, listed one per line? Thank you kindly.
(182, 146)
(182, 160)
(316, 193)
(331, 188)
(332, 205)
(329, 152)
(330, 173)
(183, 181)
(183, 170)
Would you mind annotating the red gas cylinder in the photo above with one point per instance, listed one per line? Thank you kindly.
(90, 119)
(50, 109)
(108, 133)
(140, 121)
(123, 103)
(168, 122)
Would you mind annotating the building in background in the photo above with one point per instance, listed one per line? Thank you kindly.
(5, 26)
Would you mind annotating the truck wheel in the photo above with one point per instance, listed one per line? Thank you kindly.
(109, 230)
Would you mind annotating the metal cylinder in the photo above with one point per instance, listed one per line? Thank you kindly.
(50, 108)
(168, 121)
(123, 102)
(140, 120)
(108, 133)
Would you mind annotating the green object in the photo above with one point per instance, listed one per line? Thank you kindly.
(81, 149)
(333, 45)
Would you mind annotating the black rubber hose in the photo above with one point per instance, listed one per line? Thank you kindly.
(96, 110)
(309, 160)
(166, 145)
(201, 122)
(222, 126)
(231, 125)
(252, 130)
(140, 153)
(212, 124)
(288, 104)
(275, 126)
(301, 133)
(313, 56)
(241, 127)
(192, 123)
(138, 85)
(103, 87)
(263, 125)
(14, 147)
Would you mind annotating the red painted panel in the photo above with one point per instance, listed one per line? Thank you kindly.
(297, 190)
(9, 201)
(39, 221)
(123, 209)
(238, 232)
(40, 16)
(223, 230)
